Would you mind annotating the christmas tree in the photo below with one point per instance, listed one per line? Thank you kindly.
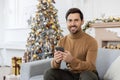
(45, 32)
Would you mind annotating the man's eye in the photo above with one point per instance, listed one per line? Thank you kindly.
(69, 20)
(76, 20)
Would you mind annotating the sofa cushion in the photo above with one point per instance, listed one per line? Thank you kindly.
(105, 58)
(113, 72)
(37, 77)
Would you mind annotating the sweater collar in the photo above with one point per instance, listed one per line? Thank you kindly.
(76, 36)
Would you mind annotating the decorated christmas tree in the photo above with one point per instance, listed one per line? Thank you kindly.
(45, 32)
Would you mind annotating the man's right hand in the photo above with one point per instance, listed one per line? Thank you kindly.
(58, 56)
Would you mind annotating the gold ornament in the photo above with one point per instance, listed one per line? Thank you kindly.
(37, 33)
(34, 56)
(44, 1)
(38, 6)
(51, 21)
(37, 14)
(33, 30)
(54, 27)
(49, 1)
(116, 19)
(111, 17)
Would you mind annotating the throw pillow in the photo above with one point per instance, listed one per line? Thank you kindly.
(113, 72)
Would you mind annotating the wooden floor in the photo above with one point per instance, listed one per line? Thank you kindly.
(4, 71)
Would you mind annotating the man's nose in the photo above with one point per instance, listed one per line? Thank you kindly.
(73, 23)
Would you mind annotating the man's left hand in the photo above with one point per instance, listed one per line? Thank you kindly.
(67, 57)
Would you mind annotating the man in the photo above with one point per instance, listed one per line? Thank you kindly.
(80, 52)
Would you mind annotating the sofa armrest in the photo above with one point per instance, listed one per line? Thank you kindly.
(34, 68)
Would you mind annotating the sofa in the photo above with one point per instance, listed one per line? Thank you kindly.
(34, 70)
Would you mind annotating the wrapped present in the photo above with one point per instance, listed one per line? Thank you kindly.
(16, 62)
(12, 77)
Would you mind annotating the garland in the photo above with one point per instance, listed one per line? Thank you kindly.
(100, 20)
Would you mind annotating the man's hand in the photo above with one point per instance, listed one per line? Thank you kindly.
(67, 57)
(58, 56)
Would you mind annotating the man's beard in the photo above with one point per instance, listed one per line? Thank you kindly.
(73, 29)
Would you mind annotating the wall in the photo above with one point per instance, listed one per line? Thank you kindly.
(16, 30)
(15, 13)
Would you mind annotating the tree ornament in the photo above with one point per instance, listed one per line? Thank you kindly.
(44, 1)
(34, 56)
(54, 27)
(49, 1)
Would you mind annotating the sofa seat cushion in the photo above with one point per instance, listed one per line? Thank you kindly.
(37, 77)
(113, 72)
(105, 58)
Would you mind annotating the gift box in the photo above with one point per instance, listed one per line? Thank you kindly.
(12, 77)
(16, 62)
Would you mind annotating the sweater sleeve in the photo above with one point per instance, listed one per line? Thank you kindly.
(89, 63)
(55, 65)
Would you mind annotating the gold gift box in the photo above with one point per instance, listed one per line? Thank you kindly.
(16, 62)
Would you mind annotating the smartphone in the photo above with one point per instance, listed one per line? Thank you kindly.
(59, 49)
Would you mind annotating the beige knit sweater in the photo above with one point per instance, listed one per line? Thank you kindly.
(83, 48)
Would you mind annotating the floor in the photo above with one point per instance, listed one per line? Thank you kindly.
(4, 71)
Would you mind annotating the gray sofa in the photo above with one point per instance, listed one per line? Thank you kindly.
(34, 70)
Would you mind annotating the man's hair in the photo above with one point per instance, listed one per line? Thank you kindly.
(74, 10)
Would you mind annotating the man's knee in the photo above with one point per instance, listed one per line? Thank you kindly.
(49, 72)
(88, 75)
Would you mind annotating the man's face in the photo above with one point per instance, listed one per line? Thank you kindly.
(74, 23)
